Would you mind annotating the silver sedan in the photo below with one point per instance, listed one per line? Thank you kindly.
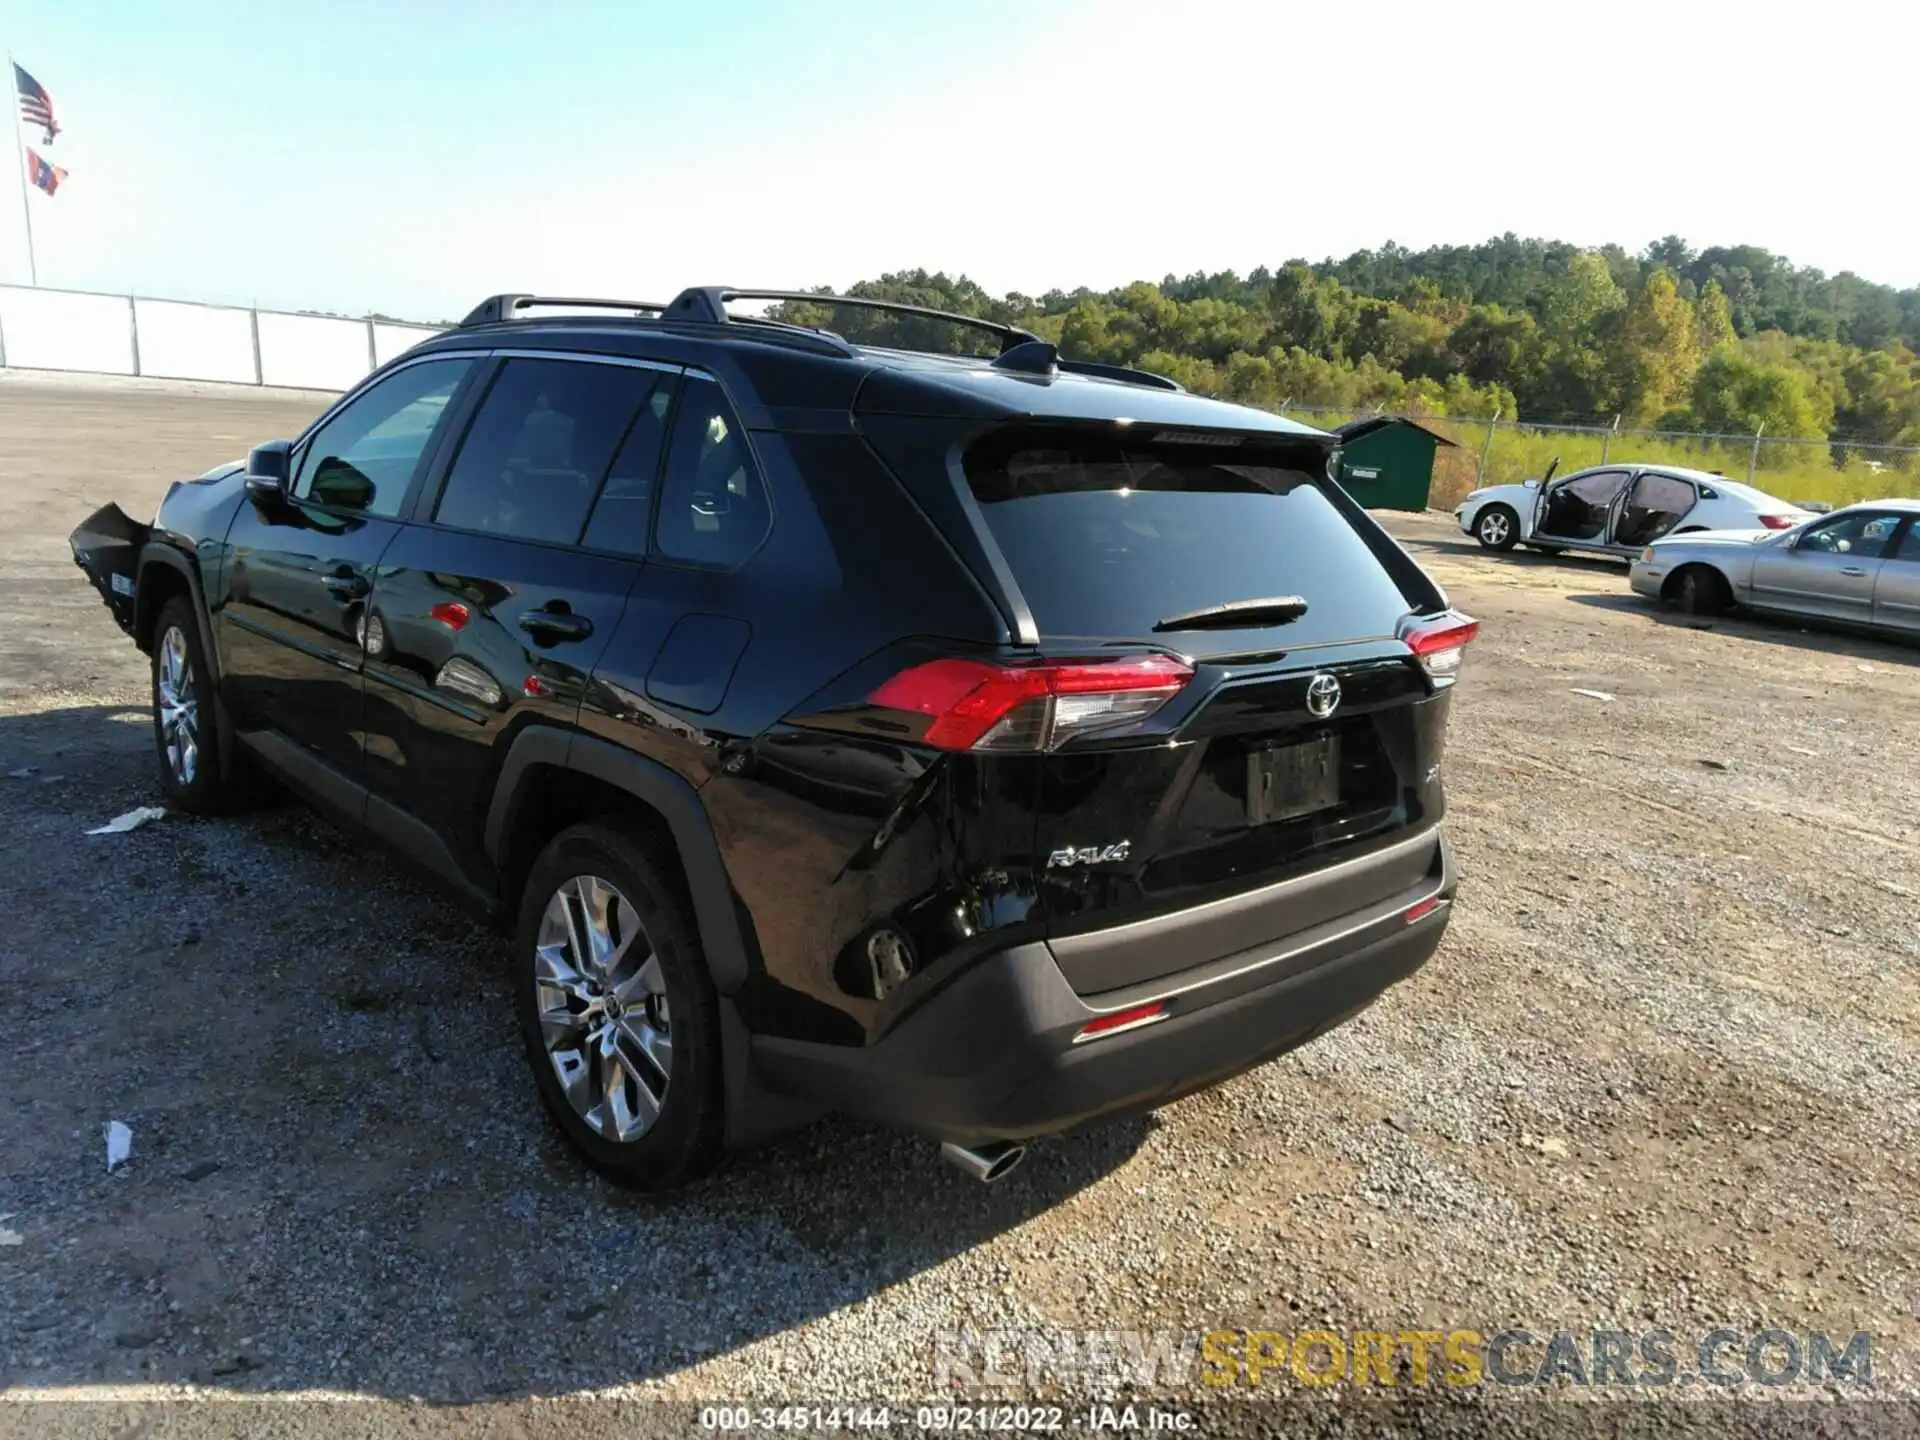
(1859, 566)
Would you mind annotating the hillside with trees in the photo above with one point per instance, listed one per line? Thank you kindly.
(1727, 340)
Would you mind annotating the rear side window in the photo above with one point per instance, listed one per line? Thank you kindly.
(1107, 540)
(713, 503)
(534, 457)
(626, 501)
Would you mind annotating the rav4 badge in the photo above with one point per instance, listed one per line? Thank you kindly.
(1088, 855)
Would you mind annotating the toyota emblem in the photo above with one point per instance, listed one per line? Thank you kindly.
(1323, 695)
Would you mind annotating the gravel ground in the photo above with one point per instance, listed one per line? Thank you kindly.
(1661, 1073)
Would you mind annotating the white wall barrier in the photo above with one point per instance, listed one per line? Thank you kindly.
(192, 342)
(44, 329)
(392, 340)
(66, 330)
(313, 353)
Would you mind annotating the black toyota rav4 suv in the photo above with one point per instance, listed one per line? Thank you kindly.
(979, 743)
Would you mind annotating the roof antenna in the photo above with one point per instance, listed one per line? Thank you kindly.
(1029, 357)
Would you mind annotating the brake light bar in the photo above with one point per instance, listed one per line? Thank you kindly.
(1778, 522)
(1439, 642)
(979, 705)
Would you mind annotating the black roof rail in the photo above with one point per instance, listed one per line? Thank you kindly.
(707, 304)
(496, 308)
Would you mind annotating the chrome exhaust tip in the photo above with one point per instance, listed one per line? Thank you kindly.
(985, 1163)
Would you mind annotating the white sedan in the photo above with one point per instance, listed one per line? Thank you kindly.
(1859, 567)
(1618, 509)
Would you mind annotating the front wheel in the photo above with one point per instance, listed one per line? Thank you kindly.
(619, 1015)
(1497, 528)
(185, 723)
(1700, 591)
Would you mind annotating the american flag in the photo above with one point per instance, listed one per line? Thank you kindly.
(43, 173)
(36, 106)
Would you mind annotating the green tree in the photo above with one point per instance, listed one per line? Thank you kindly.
(1658, 351)
(1738, 394)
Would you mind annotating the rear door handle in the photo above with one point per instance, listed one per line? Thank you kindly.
(556, 625)
(347, 585)
(1851, 570)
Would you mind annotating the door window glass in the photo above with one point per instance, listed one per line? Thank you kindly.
(713, 503)
(1577, 507)
(1861, 536)
(363, 458)
(534, 457)
(620, 515)
(1653, 508)
(1909, 551)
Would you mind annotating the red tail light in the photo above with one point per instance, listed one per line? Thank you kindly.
(1439, 643)
(1131, 1018)
(980, 706)
(1778, 522)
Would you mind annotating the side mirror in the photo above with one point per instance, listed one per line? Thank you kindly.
(269, 468)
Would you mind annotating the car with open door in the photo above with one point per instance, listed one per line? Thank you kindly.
(1858, 567)
(1617, 509)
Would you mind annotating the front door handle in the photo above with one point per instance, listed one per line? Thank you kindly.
(347, 585)
(1851, 570)
(551, 625)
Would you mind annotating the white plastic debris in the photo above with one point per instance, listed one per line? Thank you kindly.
(132, 820)
(9, 1235)
(1595, 695)
(119, 1145)
(24, 772)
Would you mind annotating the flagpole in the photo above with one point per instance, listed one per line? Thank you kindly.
(20, 164)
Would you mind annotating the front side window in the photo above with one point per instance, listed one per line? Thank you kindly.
(713, 503)
(1863, 536)
(363, 458)
(539, 447)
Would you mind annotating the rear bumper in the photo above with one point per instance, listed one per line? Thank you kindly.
(992, 1056)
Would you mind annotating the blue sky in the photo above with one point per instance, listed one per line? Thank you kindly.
(412, 156)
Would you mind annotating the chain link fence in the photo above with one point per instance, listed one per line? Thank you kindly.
(1832, 471)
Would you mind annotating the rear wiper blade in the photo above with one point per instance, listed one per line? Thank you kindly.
(1235, 614)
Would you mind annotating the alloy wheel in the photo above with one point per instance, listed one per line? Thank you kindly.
(602, 1005)
(177, 704)
(1493, 528)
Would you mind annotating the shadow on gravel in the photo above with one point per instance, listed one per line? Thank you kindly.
(341, 1178)
(1789, 633)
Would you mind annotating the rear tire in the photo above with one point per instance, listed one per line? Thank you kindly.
(1497, 527)
(1698, 590)
(186, 723)
(618, 1012)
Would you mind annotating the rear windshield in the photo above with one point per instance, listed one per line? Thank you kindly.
(1108, 540)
